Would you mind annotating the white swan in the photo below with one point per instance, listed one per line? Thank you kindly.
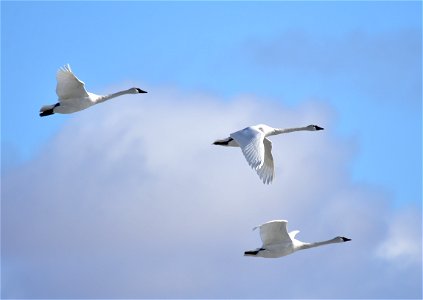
(277, 242)
(257, 148)
(73, 97)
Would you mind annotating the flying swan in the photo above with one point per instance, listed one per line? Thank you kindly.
(277, 242)
(73, 97)
(257, 148)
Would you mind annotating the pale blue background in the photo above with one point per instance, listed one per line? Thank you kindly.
(362, 59)
(217, 47)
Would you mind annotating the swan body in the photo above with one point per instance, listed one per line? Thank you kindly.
(73, 97)
(257, 148)
(277, 242)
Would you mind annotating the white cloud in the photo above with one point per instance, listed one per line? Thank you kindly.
(131, 200)
(403, 242)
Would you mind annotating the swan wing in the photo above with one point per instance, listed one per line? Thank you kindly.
(274, 232)
(292, 234)
(251, 142)
(267, 170)
(68, 85)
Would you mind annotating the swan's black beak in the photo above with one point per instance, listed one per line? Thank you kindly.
(318, 127)
(140, 90)
(345, 239)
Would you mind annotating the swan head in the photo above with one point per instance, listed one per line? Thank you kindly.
(136, 91)
(314, 127)
(341, 239)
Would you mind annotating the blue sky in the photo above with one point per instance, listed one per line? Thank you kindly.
(220, 47)
(359, 63)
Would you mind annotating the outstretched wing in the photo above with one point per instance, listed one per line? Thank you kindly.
(274, 232)
(251, 142)
(68, 85)
(267, 170)
(293, 233)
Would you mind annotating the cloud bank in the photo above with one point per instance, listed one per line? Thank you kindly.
(131, 200)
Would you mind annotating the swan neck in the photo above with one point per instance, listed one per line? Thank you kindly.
(288, 130)
(317, 244)
(114, 95)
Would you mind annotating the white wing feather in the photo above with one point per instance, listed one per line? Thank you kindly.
(292, 234)
(251, 142)
(267, 170)
(274, 232)
(68, 85)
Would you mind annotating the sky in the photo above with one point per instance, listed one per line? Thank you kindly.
(129, 199)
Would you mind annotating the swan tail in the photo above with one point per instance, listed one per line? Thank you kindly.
(47, 110)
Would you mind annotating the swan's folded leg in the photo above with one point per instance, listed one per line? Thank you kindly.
(253, 252)
(48, 110)
(226, 142)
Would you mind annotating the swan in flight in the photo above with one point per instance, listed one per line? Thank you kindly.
(74, 97)
(257, 148)
(277, 242)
